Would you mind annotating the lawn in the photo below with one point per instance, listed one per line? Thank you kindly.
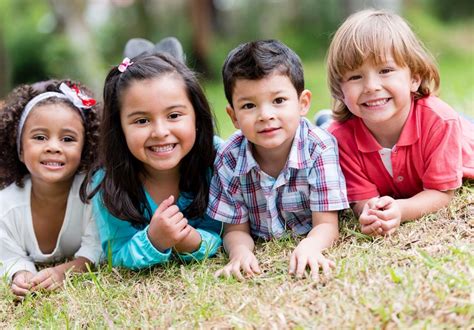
(420, 278)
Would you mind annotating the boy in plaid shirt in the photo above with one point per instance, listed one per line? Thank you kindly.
(277, 173)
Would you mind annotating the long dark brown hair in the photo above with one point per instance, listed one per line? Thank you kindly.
(121, 189)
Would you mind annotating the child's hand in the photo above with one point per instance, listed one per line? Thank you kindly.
(48, 279)
(21, 283)
(243, 259)
(387, 210)
(168, 226)
(370, 224)
(307, 253)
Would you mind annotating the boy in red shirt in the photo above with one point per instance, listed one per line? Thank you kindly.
(403, 151)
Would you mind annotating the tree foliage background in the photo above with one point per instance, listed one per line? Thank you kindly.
(82, 39)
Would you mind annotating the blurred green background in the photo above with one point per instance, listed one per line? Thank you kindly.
(82, 39)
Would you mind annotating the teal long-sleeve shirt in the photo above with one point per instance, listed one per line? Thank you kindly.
(131, 248)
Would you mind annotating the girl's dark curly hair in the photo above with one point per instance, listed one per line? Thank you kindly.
(12, 170)
(121, 189)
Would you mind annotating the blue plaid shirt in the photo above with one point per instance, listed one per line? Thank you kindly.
(311, 181)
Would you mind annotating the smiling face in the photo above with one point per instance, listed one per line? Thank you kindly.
(379, 93)
(158, 122)
(268, 112)
(52, 141)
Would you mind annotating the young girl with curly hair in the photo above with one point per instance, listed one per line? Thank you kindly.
(48, 135)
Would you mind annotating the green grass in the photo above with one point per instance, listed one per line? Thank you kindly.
(419, 278)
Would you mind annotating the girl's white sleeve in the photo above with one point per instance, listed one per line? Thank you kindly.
(13, 257)
(90, 243)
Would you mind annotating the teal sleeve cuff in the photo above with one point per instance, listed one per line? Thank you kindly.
(210, 243)
(140, 253)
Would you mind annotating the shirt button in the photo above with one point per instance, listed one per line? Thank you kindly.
(400, 178)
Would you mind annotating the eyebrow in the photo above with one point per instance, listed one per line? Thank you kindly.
(142, 113)
(43, 129)
(249, 98)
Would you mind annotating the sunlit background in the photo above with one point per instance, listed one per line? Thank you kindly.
(82, 39)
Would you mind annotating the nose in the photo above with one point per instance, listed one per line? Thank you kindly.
(266, 113)
(53, 146)
(160, 129)
(372, 83)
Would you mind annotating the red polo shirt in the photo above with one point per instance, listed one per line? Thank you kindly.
(435, 151)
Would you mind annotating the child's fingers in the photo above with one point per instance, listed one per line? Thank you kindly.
(19, 291)
(247, 269)
(235, 271)
(383, 202)
(367, 219)
(40, 277)
(371, 229)
(314, 267)
(388, 225)
(255, 267)
(326, 265)
(301, 263)
(170, 212)
(292, 266)
(371, 203)
(165, 204)
(43, 285)
(382, 215)
(183, 233)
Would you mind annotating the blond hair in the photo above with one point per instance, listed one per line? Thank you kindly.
(372, 35)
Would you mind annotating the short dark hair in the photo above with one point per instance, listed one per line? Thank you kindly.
(121, 189)
(258, 59)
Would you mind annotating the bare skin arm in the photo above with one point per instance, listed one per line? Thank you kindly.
(382, 215)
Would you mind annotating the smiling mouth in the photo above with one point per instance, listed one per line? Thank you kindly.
(165, 148)
(376, 103)
(53, 164)
(269, 130)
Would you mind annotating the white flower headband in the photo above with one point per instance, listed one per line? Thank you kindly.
(73, 94)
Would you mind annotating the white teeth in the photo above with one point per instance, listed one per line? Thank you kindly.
(165, 148)
(376, 103)
(52, 164)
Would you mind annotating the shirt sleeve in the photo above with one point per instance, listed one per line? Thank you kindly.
(90, 244)
(226, 203)
(443, 156)
(13, 257)
(124, 245)
(359, 186)
(327, 183)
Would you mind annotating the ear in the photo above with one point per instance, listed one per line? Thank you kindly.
(20, 156)
(415, 83)
(233, 117)
(305, 102)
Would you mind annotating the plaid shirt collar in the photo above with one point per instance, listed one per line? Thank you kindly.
(298, 158)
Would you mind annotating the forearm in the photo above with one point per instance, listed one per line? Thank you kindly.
(324, 234)
(190, 243)
(235, 240)
(77, 265)
(425, 202)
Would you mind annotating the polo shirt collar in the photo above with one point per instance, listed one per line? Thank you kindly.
(367, 143)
